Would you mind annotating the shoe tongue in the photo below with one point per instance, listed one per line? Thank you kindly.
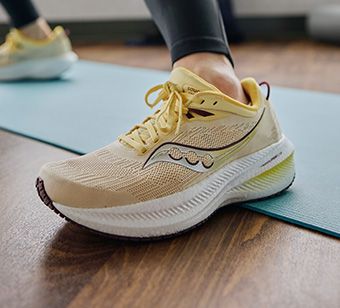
(17, 36)
(14, 34)
(189, 82)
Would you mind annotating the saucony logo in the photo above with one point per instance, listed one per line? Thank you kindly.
(196, 158)
(191, 157)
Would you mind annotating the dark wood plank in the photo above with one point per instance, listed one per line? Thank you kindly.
(44, 261)
(296, 64)
(237, 259)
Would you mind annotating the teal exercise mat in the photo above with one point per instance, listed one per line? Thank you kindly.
(96, 102)
(87, 109)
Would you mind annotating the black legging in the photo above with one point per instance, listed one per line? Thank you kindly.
(21, 12)
(188, 26)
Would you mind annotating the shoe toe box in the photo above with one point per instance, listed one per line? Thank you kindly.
(68, 185)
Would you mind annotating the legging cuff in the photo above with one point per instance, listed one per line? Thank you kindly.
(199, 44)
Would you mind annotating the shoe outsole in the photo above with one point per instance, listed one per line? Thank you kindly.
(49, 203)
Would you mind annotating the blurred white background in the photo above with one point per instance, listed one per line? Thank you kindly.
(73, 10)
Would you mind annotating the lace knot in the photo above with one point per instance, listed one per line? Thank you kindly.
(164, 120)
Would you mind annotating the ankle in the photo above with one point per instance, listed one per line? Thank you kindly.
(217, 70)
(38, 29)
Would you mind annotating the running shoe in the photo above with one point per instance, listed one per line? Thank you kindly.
(201, 150)
(24, 58)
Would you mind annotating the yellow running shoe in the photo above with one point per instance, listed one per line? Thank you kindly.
(25, 58)
(199, 151)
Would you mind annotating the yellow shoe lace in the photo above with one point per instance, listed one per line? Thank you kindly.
(169, 116)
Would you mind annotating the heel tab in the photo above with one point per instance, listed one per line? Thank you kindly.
(268, 88)
(252, 89)
(59, 30)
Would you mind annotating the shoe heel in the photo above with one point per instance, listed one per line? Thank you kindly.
(268, 183)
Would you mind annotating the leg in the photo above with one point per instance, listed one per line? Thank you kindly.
(198, 42)
(229, 21)
(25, 17)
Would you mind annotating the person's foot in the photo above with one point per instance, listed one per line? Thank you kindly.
(22, 57)
(37, 30)
(200, 151)
(217, 70)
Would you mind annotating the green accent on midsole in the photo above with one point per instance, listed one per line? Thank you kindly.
(272, 176)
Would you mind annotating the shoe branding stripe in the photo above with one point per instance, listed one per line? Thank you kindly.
(163, 152)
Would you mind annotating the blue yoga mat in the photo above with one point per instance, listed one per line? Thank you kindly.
(96, 102)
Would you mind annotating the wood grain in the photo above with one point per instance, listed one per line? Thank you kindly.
(237, 259)
(38, 250)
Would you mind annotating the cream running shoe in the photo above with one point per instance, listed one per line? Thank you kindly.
(25, 58)
(199, 151)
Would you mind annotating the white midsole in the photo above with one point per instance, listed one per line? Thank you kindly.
(182, 210)
(43, 68)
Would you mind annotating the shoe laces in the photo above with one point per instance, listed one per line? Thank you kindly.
(162, 122)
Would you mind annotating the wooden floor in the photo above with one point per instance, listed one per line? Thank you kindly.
(237, 259)
(297, 64)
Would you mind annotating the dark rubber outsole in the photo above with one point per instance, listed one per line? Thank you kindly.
(49, 203)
